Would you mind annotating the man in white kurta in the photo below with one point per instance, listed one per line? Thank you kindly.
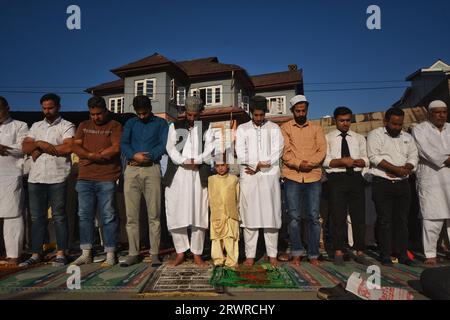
(433, 176)
(12, 133)
(186, 197)
(259, 145)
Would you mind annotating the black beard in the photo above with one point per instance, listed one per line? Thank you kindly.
(393, 133)
(300, 120)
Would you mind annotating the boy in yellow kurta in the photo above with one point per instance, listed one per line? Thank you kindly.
(223, 192)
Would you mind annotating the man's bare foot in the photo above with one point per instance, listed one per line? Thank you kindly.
(178, 260)
(314, 262)
(199, 261)
(283, 257)
(273, 261)
(430, 261)
(295, 261)
(249, 262)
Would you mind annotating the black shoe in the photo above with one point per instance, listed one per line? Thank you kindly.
(387, 262)
(331, 293)
(336, 293)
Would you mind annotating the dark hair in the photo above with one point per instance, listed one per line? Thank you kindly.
(53, 97)
(96, 102)
(141, 101)
(394, 111)
(258, 103)
(340, 111)
(3, 102)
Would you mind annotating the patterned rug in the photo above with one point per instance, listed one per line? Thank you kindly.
(186, 277)
(258, 276)
(307, 277)
(94, 278)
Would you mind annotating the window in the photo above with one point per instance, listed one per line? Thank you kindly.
(211, 96)
(172, 89)
(181, 96)
(245, 103)
(145, 87)
(277, 105)
(116, 105)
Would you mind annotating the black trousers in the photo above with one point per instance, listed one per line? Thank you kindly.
(392, 202)
(347, 195)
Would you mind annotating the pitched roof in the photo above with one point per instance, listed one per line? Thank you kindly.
(437, 67)
(115, 86)
(277, 79)
(206, 66)
(155, 59)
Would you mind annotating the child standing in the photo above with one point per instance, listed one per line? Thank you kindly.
(223, 192)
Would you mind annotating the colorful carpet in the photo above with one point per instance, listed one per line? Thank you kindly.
(186, 277)
(307, 277)
(94, 278)
(259, 276)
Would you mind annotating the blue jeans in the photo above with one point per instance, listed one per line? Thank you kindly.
(101, 193)
(42, 195)
(307, 196)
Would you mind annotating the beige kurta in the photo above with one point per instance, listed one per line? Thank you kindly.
(223, 194)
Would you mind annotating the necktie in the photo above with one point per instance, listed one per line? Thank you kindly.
(345, 151)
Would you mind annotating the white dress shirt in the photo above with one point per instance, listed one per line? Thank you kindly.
(12, 133)
(397, 151)
(356, 145)
(47, 168)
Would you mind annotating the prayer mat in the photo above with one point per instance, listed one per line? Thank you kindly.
(184, 278)
(94, 278)
(117, 279)
(261, 275)
(40, 278)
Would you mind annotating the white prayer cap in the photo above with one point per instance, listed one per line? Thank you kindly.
(193, 104)
(437, 104)
(297, 99)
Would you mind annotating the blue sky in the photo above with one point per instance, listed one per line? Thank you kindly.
(329, 40)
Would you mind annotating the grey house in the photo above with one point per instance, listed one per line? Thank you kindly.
(225, 88)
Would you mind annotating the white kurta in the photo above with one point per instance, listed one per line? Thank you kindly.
(12, 133)
(260, 198)
(186, 200)
(433, 178)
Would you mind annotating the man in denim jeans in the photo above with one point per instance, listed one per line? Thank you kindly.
(97, 143)
(49, 142)
(304, 151)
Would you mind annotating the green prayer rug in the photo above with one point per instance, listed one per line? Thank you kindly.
(258, 276)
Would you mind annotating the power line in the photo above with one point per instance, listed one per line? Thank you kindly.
(222, 92)
(305, 83)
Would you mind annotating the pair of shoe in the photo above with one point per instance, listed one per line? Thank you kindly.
(59, 261)
(30, 262)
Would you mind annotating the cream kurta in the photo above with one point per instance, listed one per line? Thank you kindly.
(433, 177)
(186, 201)
(223, 192)
(12, 133)
(260, 198)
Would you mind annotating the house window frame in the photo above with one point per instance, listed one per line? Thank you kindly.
(116, 105)
(144, 89)
(213, 94)
(181, 89)
(172, 89)
(276, 97)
